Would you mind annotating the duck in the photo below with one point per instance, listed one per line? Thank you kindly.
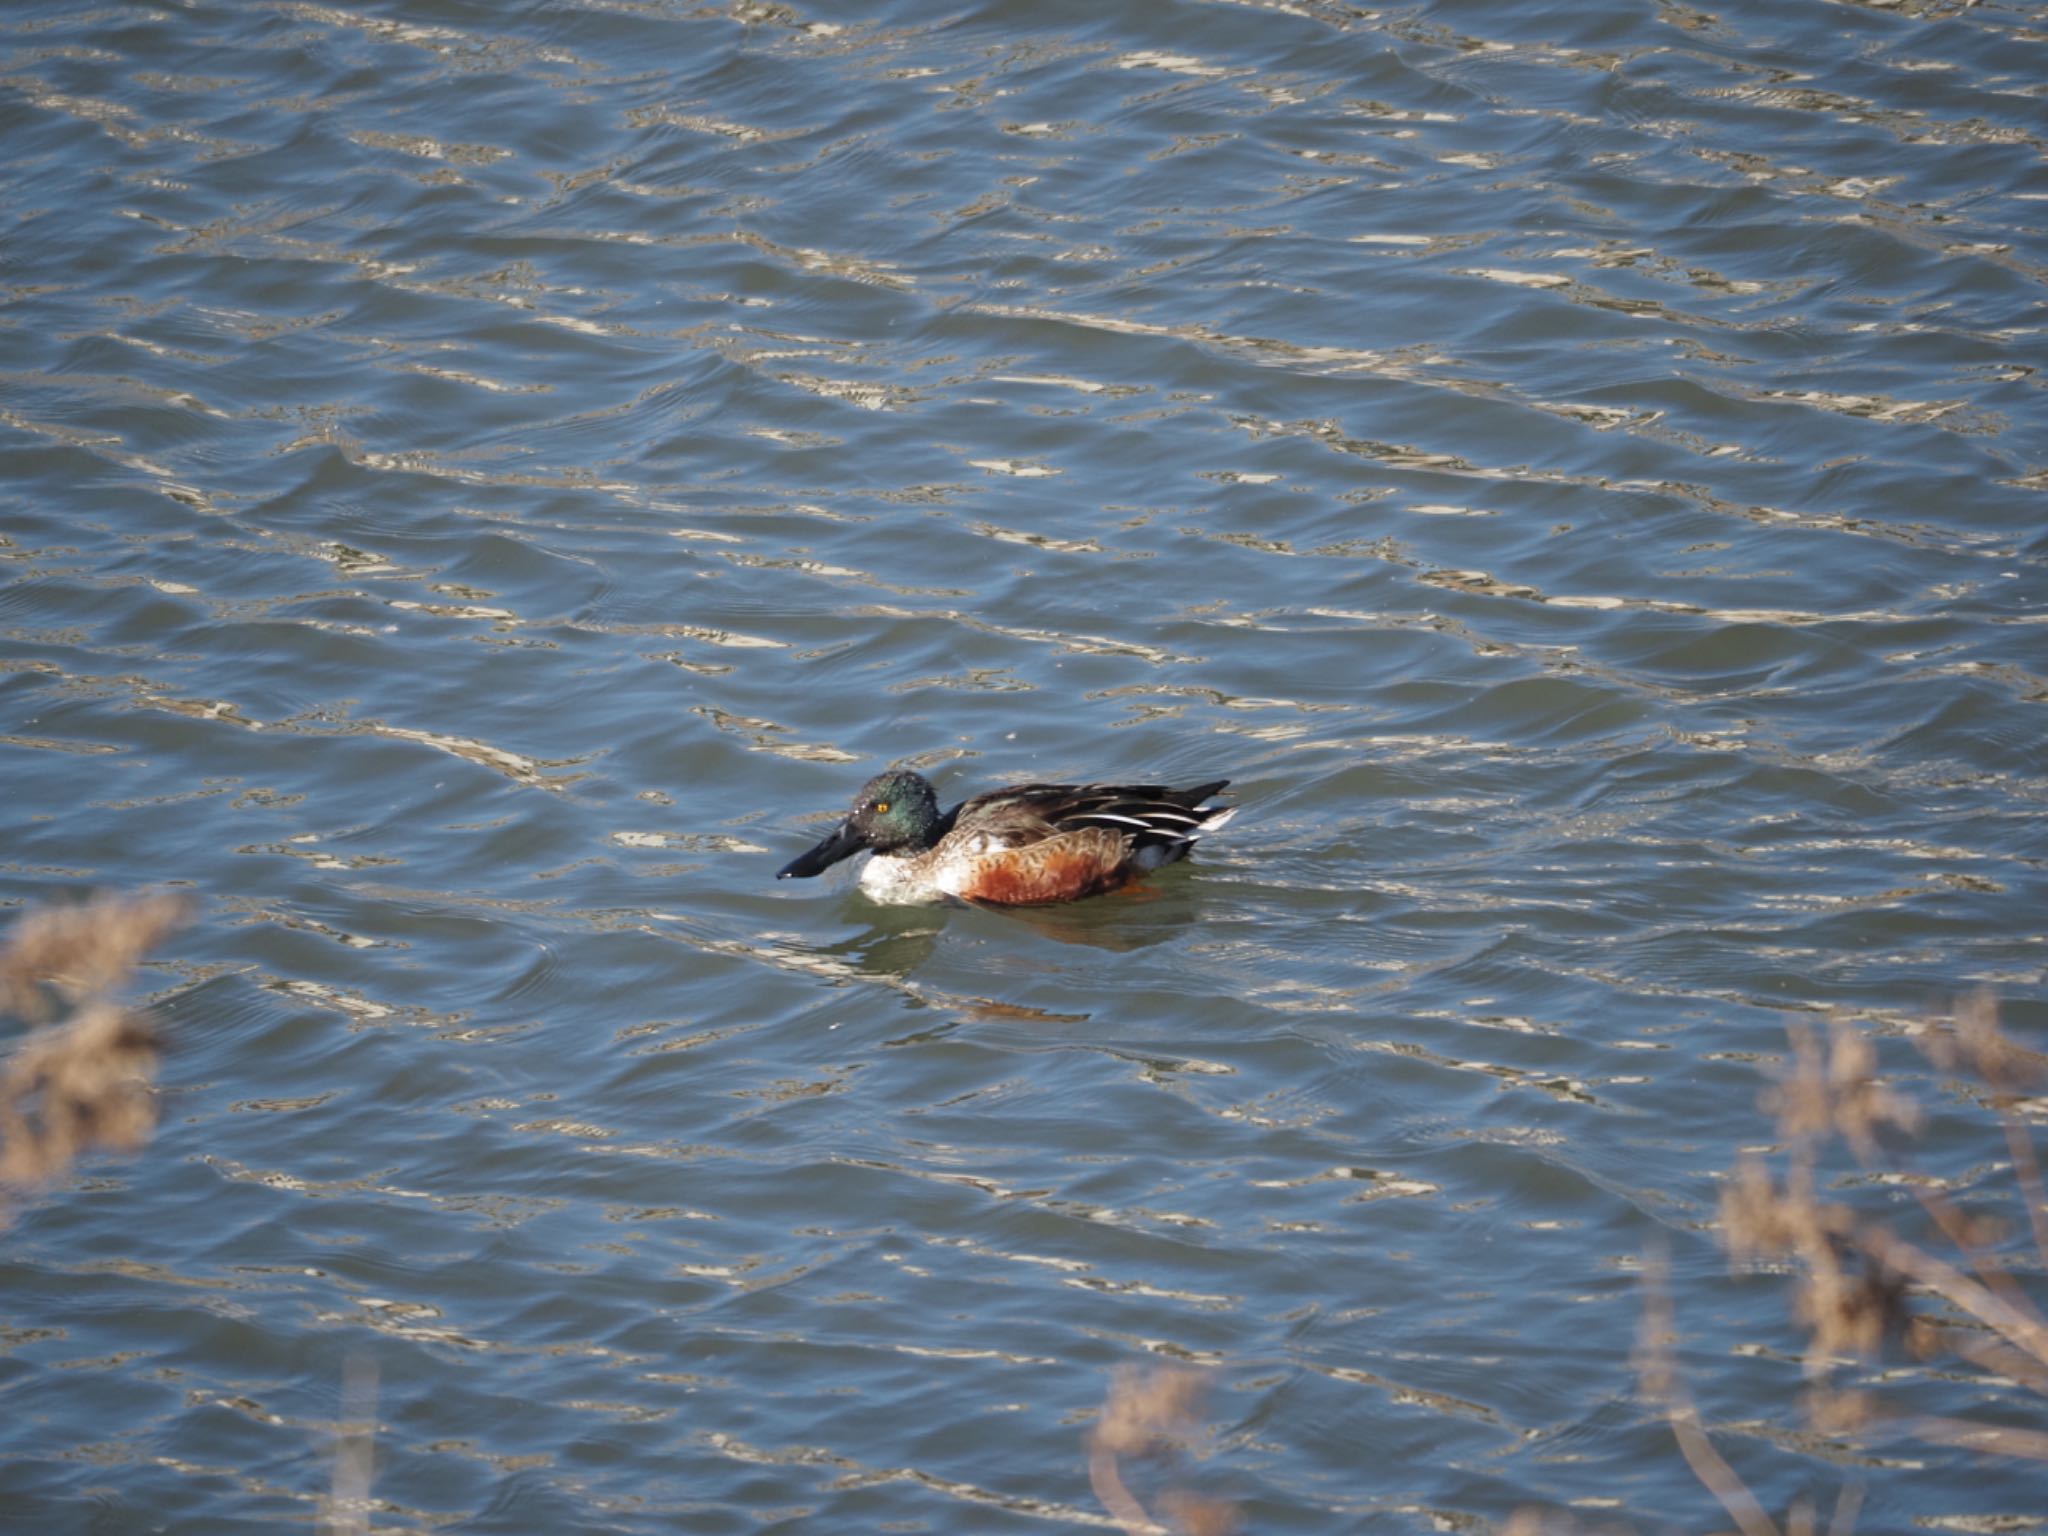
(1028, 845)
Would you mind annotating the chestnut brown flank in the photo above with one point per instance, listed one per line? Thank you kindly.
(1063, 868)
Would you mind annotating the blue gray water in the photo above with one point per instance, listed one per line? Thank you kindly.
(482, 483)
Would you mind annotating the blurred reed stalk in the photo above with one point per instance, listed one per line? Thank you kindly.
(1152, 1414)
(1656, 1362)
(346, 1510)
(79, 1078)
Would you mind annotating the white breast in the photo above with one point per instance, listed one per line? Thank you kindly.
(894, 882)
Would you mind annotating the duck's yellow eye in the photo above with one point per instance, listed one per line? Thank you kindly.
(881, 807)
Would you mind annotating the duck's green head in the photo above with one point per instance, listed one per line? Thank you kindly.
(895, 812)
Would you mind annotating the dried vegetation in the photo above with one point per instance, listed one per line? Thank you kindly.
(1863, 1286)
(79, 1077)
(1151, 1415)
(1954, 1292)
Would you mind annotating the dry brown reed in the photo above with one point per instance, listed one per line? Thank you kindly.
(82, 951)
(1861, 1284)
(1152, 1414)
(80, 1078)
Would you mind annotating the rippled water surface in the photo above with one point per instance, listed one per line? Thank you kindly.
(483, 482)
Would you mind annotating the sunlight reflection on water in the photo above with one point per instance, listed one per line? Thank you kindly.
(482, 486)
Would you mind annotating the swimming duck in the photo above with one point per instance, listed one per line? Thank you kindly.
(1023, 846)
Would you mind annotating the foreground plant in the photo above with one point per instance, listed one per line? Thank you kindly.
(80, 1078)
(1862, 1284)
(1151, 1414)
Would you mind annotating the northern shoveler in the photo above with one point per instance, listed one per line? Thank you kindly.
(1023, 846)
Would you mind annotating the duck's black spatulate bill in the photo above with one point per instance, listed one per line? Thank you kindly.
(843, 843)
